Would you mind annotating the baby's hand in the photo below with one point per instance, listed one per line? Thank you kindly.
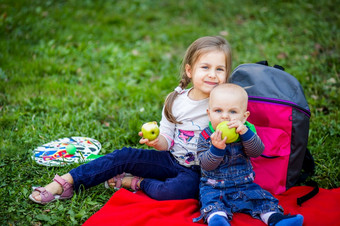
(217, 141)
(145, 141)
(240, 127)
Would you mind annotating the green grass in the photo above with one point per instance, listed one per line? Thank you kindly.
(102, 68)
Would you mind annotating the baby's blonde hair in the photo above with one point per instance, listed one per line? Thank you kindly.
(230, 89)
(194, 51)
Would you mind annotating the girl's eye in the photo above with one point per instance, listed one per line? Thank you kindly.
(220, 69)
(205, 67)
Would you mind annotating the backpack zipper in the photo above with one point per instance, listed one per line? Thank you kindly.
(283, 102)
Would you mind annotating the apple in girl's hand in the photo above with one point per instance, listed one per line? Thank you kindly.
(231, 134)
(150, 130)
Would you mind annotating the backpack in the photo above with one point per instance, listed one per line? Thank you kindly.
(279, 110)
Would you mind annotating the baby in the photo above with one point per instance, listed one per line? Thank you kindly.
(227, 185)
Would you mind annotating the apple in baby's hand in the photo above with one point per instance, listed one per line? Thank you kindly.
(150, 130)
(231, 134)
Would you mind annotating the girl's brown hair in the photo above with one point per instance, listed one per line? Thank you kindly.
(194, 51)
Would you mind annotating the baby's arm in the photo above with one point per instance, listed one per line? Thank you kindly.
(253, 145)
(217, 141)
(240, 127)
(210, 157)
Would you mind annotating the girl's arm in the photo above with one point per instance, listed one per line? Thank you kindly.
(160, 143)
(165, 139)
(167, 133)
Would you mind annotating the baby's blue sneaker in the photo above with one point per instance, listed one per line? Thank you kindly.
(218, 220)
(278, 219)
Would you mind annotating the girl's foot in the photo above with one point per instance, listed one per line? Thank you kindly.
(115, 182)
(132, 182)
(125, 181)
(60, 188)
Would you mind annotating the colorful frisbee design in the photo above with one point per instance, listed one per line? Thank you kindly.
(54, 153)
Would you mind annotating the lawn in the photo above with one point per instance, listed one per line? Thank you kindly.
(101, 69)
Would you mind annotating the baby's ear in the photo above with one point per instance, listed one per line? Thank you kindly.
(246, 115)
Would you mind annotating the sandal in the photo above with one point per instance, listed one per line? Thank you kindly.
(118, 181)
(47, 197)
(134, 183)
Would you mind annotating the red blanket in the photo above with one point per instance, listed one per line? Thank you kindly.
(127, 208)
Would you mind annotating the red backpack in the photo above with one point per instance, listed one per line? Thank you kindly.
(279, 110)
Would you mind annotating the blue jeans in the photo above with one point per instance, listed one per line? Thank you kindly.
(164, 177)
(248, 198)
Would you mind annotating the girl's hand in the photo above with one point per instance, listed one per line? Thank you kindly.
(145, 141)
(240, 127)
(217, 141)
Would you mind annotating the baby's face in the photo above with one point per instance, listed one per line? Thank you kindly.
(227, 107)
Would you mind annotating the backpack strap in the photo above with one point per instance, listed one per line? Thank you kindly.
(205, 134)
(263, 62)
(309, 195)
(279, 67)
(308, 169)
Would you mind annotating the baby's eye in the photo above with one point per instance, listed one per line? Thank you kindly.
(205, 67)
(218, 111)
(233, 112)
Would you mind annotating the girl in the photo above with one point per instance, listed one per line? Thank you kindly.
(173, 171)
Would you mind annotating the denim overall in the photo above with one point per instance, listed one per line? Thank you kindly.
(230, 188)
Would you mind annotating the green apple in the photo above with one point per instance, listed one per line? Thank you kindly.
(231, 134)
(150, 130)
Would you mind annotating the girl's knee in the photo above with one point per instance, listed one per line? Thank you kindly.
(123, 153)
(174, 195)
(168, 191)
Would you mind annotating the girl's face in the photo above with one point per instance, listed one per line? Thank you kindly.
(207, 72)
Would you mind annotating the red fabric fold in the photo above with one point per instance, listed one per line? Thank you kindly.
(127, 208)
